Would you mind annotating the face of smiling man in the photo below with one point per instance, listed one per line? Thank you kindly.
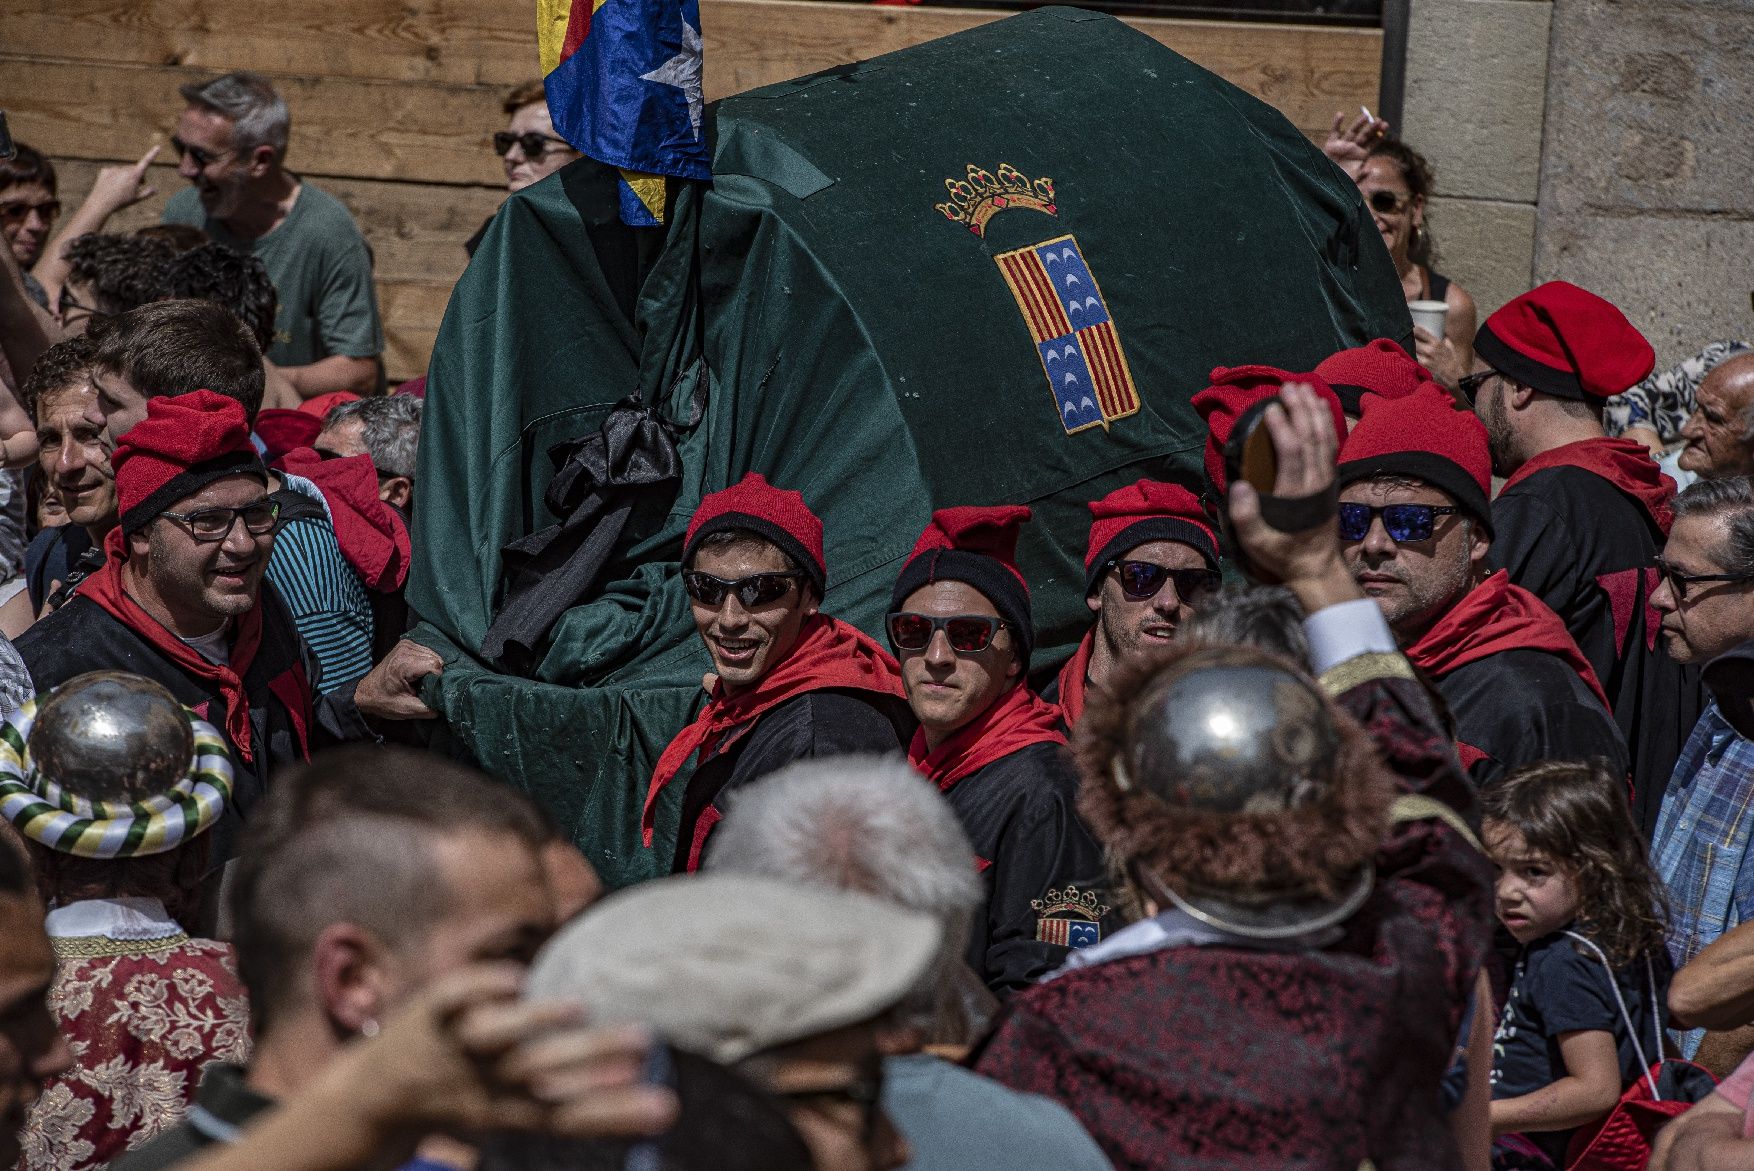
(196, 587)
(746, 641)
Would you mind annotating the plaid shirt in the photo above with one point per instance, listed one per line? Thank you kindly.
(1702, 837)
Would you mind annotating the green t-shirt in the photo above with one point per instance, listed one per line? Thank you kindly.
(322, 269)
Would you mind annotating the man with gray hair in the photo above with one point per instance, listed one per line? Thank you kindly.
(388, 430)
(1719, 435)
(231, 146)
(872, 824)
(1702, 836)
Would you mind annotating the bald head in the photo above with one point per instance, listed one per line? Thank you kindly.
(1718, 433)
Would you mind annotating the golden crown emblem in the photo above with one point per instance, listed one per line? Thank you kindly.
(1069, 900)
(983, 195)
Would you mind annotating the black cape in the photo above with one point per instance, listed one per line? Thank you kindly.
(1578, 543)
(829, 722)
(1489, 699)
(1037, 858)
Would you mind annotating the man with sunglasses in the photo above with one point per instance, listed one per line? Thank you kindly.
(1581, 516)
(788, 682)
(231, 145)
(182, 601)
(1415, 529)
(1701, 845)
(1152, 557)
(961, 624)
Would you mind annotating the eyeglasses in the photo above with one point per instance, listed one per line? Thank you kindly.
(1679, 582)
(535, 145)
(1403, 522)
(1470, 384)
(19, 211)
(758, 589)
(202, 157)
(1143, 580)
(214, 524)
(1387, 202)
(968, 633)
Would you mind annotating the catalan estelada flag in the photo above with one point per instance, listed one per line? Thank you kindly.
(624, 87)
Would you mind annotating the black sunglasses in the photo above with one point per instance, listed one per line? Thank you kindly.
(968, 633)
(1470, 384)
(19, 211)
(1404, 522)
(1679, 582)
(535, 145)
(215, 524)
(201, 157)
(758, 589)
(1143, 580)
(1387, 202)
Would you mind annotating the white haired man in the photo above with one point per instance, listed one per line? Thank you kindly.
(874, 825)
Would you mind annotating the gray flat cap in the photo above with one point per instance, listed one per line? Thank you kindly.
(726, 966)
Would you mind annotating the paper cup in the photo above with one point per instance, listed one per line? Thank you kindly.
(1430, 315)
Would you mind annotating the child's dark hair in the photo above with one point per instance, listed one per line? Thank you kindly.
(1578, 815)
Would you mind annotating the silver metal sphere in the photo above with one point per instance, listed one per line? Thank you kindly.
(1235, 738)
(111, 736)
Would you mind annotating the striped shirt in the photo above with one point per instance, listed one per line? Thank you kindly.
(328, 602)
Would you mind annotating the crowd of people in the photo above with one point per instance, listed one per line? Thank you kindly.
(1391, 811)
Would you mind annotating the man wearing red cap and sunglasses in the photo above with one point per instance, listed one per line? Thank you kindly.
(1152, 557)
(1415, 529)
(1582, 517)
(960, 623)
(789, 683)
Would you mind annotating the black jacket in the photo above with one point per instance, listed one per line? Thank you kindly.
(1519, 707)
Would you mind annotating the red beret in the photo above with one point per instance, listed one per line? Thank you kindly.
(1381, 368)
(1426, 436)
(1565, 341)
(1142, 512)
(282, 430)
(1233, 391)
(774, 514)
(976, 546)
(185, 443)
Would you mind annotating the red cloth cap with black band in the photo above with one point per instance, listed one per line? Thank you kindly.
(185, 443)
(778, 515)
(1233, 391)
(1382, 367)
(1566, 342)
(1424, 436)
(1140, 513)
(978, 547)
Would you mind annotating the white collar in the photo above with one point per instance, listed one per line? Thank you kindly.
(122, 919)
(1177, 928)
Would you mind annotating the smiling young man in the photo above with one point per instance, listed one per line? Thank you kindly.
(181, 599)
(960, 622)
(1416, 529)
(789, 682)
(1151, 558)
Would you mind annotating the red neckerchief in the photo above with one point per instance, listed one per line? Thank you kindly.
(105, 588)
(1623, 463)
(373, 538)
(828, 653)
(1017, 720)
(1073, 679)
(1497, 616)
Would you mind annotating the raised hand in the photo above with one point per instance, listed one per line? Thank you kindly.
(1350, 145)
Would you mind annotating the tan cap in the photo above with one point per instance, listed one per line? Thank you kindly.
(725, 965)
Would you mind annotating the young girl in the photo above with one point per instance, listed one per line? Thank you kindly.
(1588, 995)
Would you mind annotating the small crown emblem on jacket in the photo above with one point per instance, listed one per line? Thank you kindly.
(1068, 918)
(1069, 901)
(983, 195)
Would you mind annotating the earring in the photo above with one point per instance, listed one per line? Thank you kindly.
(368, 1029)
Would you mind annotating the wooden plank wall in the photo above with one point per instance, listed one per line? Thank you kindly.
(392, 100)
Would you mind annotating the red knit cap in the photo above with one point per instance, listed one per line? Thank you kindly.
(1381, 368)
(1142, 512)
(282, 430)
(977, 546)
(186, 442)
(1565, 341)
(774, 514)
(1234, 390)
(1425, 436)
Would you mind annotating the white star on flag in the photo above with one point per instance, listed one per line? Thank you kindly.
(683, 72)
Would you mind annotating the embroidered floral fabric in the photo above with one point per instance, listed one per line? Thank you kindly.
(144, 1019)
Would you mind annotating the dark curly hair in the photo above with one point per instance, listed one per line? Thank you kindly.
(225, 276)
(1577, 814)
(1316, 847)
(1417, 174)
(119, 270)
(64, 364)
